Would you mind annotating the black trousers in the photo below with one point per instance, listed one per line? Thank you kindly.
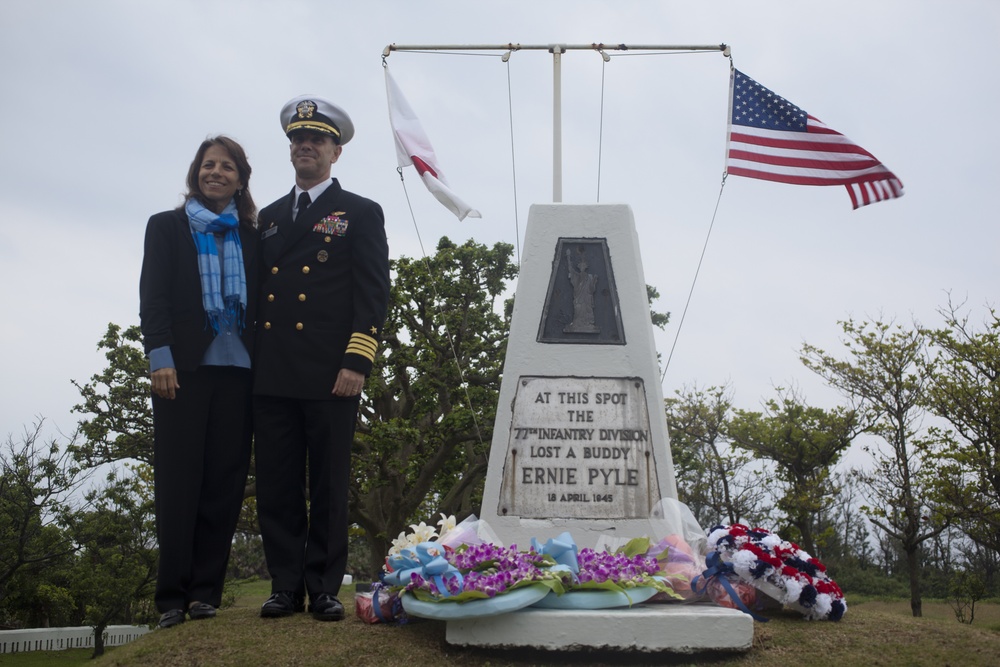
(201, 453)
(305, 543)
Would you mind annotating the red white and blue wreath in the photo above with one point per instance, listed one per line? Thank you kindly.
(775, 567)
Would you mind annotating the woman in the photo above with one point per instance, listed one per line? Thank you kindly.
(197, 316)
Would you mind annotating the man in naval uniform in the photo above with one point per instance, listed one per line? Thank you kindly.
(324, 291)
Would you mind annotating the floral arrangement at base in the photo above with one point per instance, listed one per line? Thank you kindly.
(459, 575)
(383, 604)
(740, 557)
(462, 564)
(472, 573)
(679, 550)
(429, 571)
(600, 578)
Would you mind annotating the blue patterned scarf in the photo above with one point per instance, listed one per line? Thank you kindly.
(223, 288)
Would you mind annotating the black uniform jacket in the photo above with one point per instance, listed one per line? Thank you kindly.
(324, 293)
(171, 311)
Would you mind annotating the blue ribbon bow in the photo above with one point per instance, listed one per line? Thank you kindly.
(427, 560)
(717, 569)
(562, 549)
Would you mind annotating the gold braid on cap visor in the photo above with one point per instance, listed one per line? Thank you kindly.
(312, 125)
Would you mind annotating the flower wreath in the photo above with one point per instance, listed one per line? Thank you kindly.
(461, 565)
(776, 568)
(463, 573)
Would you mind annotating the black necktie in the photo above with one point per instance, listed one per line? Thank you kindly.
(304, 201)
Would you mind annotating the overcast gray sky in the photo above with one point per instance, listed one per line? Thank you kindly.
(105, 102)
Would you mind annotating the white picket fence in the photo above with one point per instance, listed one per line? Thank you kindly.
(59, 639)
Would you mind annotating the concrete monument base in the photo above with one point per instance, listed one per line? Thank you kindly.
(580, 442)
(654, 628)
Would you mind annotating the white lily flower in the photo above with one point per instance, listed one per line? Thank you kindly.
(423, 532)
(447, 523)
(398, 544)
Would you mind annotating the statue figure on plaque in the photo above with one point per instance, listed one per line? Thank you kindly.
(584, 285)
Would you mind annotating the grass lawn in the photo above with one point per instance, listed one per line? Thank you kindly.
(873, 632)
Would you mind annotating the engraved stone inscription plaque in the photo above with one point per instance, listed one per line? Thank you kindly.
(579, 448)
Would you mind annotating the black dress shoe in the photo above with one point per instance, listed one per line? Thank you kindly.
(282, 603)
(200, 610)
(326, 607)
(170, 618)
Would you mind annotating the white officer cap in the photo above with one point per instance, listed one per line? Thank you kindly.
(309, 112)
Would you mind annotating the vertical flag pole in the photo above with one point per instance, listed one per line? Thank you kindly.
(729, 120)
(557, 124)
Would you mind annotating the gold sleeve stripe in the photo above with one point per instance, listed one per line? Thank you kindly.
(363, 345)
(364, 339)
(361, 352)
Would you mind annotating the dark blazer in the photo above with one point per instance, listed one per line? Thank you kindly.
(170, 300)
(324, 293)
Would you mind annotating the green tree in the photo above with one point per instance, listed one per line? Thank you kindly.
(964, 591)
(714, 481)
(120, 427)
(115, 568)
(36, 481)
(38, 596)
(426, 420)
(804, 443)
(965, 391)
(659, 320)
(886, 378)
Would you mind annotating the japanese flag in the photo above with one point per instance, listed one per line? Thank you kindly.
(414, 148)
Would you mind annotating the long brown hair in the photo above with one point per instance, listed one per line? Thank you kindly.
(245, 207)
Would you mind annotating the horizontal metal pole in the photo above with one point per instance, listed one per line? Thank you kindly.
(724, 48)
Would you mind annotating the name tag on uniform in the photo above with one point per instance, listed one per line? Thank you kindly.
(268, 232)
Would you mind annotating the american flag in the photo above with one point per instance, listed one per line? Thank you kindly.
(772, 139)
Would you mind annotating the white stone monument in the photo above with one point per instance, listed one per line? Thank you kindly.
(580, 441)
